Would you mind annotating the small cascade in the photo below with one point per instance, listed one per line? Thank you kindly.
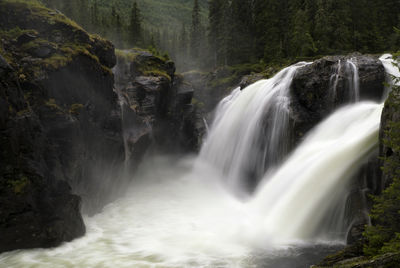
(206, 125)
(346, 74)
(354, 79)
(134, 125)
(334, 82)
(121, 71)
(249, 134)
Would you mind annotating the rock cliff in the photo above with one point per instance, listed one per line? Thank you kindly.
(59, 125)
(67, 132)
(157, 106)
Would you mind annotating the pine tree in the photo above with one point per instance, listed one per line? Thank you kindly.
(135, 26)
(183, 41)
(195, 33)
(94, 16)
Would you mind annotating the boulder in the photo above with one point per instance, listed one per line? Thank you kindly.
(328, 83)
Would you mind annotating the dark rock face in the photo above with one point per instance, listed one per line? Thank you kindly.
(59, 126)
(36, 209)
(157, 106)
(388, 146)
(321, 87)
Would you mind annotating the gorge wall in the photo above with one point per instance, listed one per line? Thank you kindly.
(64, 136)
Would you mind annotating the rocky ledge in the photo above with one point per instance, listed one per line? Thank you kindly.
(330, 82)
(158, 112)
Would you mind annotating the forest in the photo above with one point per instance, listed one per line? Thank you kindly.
(243, 31)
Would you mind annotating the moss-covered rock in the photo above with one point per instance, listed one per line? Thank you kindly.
(157, 108)
(59, 125)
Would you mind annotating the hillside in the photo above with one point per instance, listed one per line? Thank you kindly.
(158, 13)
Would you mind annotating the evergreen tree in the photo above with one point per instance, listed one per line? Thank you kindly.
(135, 26)
(183, 41)
(94, 16)
(195, 33)
(241, 46)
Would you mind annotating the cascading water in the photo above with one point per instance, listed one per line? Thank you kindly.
(249, 133)
(354, 81)
(348, 71)
(315, 176)
(181, 215)
(391, 71)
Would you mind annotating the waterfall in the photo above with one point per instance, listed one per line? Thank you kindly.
(294, 200)
(249, 133)
(182, 214)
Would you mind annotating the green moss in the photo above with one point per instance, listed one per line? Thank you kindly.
(75, 40)
(19, 184)
(16, 32)
(56, 61)
(51, 103)
(126, 55)
(157, 72)
(37, 10)
(75, 108)
(23, 112)
(197, 103)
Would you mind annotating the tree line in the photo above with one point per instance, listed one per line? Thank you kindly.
(123, 31)
(243, 31)
(268, 30)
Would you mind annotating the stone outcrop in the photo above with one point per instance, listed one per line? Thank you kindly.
(327, 84)
(157, 106)
(59, 125)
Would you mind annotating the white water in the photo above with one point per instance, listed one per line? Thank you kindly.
(250, 129)
(294, 200)
(180, 215)
(391, 71)
(349, 72)
(352, 70)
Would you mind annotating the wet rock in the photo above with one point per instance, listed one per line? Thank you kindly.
(43, 51)
(25, 38)
(388, 148)
(328, 83)
(250, 79)
(60, 129)
(157, 98)
(105, 51)
(4, 66)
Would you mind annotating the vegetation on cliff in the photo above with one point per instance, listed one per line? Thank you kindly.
(383, 236)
